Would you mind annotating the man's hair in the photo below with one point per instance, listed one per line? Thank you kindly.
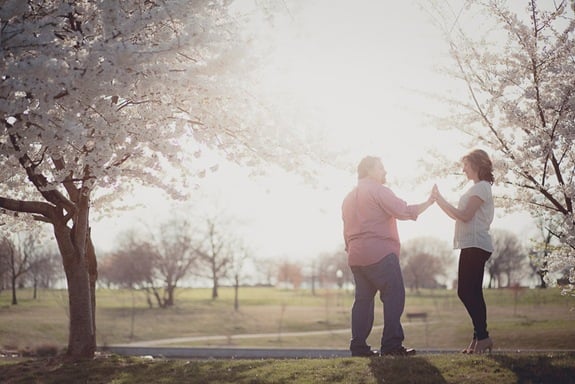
(365, 165)
(479, 160)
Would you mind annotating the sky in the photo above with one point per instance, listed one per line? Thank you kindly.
(363, 70)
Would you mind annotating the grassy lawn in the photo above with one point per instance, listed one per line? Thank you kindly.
(532, 319)
(518, 321)
(441, 369)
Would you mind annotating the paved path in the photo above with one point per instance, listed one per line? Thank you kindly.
(161, 348)
(230, 338)
(191, 339)
(273, 353)
(227, 353)
(240, 353)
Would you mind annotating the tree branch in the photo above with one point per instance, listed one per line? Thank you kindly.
(68, 182)
(41, 208)
(537, 187)
(39, 180)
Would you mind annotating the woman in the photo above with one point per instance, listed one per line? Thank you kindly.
(473, 216)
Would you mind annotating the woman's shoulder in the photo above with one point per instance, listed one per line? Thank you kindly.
(482, 188)
(484, 184)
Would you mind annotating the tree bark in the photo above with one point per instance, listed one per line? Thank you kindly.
(13, 275)
(236, 292)
(214, 286)
(82, 337)
(542, 282)
(80, 266)
(14, 298)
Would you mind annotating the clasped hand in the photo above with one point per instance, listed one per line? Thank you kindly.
(435, 194)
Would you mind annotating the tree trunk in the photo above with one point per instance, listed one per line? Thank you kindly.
(313, 284)
(543, 283)
(82, 337)
(13, 277)
(159, 299)
(214, 287)
(169, 301)
(80, 266)
(133, 315)
(14, 299)
(236, 292)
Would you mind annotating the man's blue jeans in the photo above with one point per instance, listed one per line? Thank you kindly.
(384, 276)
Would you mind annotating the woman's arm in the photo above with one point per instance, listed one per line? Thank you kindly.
(464, 214)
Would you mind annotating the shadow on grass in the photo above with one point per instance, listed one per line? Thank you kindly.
(549, 368)
(400, 370)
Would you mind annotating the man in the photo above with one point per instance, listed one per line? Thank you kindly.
(370, 212)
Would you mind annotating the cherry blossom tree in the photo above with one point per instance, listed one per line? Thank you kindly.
(97, 96)
(515, 62)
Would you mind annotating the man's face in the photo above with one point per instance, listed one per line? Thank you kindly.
(378, 173)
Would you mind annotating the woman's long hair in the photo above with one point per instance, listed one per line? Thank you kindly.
(481, 162)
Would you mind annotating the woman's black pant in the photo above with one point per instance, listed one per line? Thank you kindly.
(470, 288)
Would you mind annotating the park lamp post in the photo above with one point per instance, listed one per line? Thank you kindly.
(339, 278)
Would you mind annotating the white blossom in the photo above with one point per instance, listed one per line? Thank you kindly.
(518, 70)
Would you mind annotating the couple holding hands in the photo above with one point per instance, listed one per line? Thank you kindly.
(370, 213)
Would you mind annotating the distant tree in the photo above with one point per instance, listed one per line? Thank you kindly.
(21, 257)
(424, 260)
(290, 273)
(517, 69)
(17, 249)
(154, 261)
(42, 259)
(239, 256)
(540, 254)
(493, 268)
(173, 256)
(130, 265)
(327, 265)
(507, 259)
(215, 248)
(45, 269)
(4, 264)
(267, 270)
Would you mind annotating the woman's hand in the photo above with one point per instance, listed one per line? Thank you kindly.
(435, 194)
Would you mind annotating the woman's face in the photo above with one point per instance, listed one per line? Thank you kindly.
(469, 171)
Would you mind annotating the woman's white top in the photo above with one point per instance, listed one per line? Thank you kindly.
(475, 232)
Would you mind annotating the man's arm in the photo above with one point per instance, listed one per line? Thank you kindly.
(399, 209)
(423, 206)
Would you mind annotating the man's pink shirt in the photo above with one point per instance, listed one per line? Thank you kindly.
(370, 213)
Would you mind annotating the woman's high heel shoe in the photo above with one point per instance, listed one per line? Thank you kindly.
(483, 345)
(471, 347)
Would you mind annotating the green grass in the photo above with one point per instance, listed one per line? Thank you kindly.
(533, 319)
(530, 320)
(428, 369)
